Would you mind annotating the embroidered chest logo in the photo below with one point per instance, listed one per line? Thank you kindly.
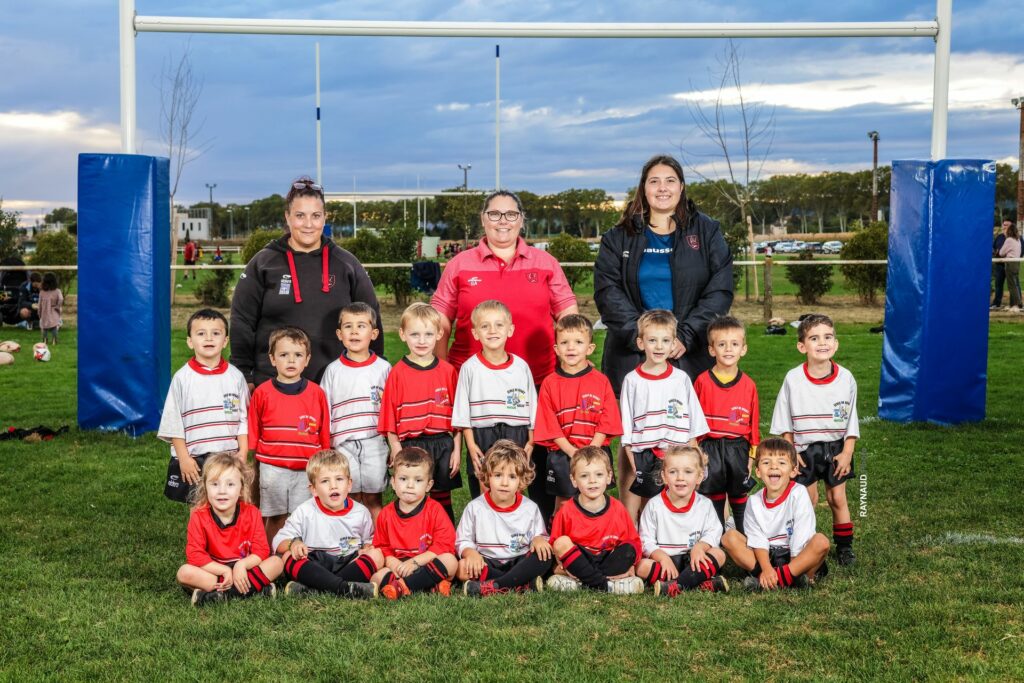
(426, 540)
(244, 548)
(739, 416)
(348, 545)
(841, 411)
(515, 398)
(694, 538)
(308, 425)
(531, 277)
(330, 281)
(441, 397)
(518, 543)
(286, 285)
(375, 393)
(474, 281)
(790, 525)
(590, 403)
(693, 241)
(609, 542)
(675, 409)
(231, 404)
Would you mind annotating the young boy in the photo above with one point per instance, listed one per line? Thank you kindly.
(206, 407)
(659, 406)
(780, 548)
(326, 544)
(353, 384)
(288, 422)
(817, 412)
(416, 409)
(593, 537)
(729, 399)
(495, 398)
(576, 406)
(413, 532)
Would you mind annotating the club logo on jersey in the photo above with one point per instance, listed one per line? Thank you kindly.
(531, 277)
(841, 411)
(610, 542)
(625, 254)
(426, 540)
(693, 241)
(790, 525)
(518, 543)
(376, 392)
(286, 285)
(244, 548)
(474, 281)
(231, 404)
(694, 538)
(308, 425)
(348, 545)
(739, 416)
(590, 403)
(675, 409)
(441, 397)
(330, 281)
(515, 398)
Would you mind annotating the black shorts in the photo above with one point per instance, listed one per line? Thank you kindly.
(486, 437)
(332, 563)
(613, 562)
(440, 447)
(176, 489)
(728, 460)
(558, 482)
(647, 483)
(820, 459)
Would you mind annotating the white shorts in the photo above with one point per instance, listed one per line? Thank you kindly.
(282, 490)
(368, 461)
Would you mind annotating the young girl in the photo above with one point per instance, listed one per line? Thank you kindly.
(227, 552)
(501, 538)
(50, 302)
(680, 530)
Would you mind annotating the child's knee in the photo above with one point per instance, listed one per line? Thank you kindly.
(272, 567)
(733, 539)
(836, 496)
(819, 545)
(718, 554)
(643, 569)
(450, 563)
(184, 573)
(375, 555)
(562, 545)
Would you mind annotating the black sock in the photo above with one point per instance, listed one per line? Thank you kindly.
(577, 562)
(528, 568)
(314, 576)
(656, 575)
(842, 534)
(738, 507)
(445, 499)
(359, 570)
(689, 579)
(427, 576)
(718, 500)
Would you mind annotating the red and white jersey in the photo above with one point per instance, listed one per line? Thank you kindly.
(210, 540)
(418, 400)
(354, 391)
(207, 407)
(596, 532)
(576, 407)
(337, 532)
(786, 522)
(659, 411)
(288, 423)
(815, 409)
(489, 394)
(404, 535)
(730, 408)
(499, 533)
(675, 530)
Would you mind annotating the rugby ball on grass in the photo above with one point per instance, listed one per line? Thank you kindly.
(41, 352)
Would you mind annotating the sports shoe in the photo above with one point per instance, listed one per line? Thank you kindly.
(845, 556)
(752, 584)
(537, 585)
(629, 585)
(667, 589)
(444, 588)
(395, 590)
(201, 598)
(295, 588)
(994, 307)
(716, 584)
(801, 581)
(563, 583)
(358, 589)
(268, 591)
(480, 589)
(821, 572)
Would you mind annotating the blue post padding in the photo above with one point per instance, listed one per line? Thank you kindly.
(124, 329)
(935, 351)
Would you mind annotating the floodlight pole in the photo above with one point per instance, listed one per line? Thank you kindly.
(874, 176)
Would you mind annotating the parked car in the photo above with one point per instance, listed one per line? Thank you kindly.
(832, 247)
(783, 247)
(813, 247)
(797, 246)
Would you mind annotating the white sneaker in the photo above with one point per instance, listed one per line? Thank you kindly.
(629, 585)
(1014, 309)
(563, 583)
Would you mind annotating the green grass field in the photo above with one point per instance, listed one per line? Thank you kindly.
(937, 593)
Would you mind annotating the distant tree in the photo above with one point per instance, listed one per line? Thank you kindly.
(812, 282)
(65, 216)
(569, 249)
(58, 248)
(256, 241)
(392, 244)
(1006, 193)
(215, 287)
(10, 237)
(871, 243)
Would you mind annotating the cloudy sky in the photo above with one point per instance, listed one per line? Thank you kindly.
(575, 113)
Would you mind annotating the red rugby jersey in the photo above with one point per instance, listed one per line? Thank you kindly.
(576, 406)
(418, 400)
(596, 532)
(209, 540)
(731, 409)
(427, 528)
(286, 429)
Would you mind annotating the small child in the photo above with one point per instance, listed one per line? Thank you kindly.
(780, 548)
(413, 532)
(817, 412)
(353, 384)
(206, 407)
(326, 544)
(576, 406)
(501, 537)
(680, 531)
(593, 537)
(51, 300)
(659, 407)
(730, 403)
(288, 422)
(416, 409)
(227, 555)
(496, 397)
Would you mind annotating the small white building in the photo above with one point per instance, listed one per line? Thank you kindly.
(195, 224)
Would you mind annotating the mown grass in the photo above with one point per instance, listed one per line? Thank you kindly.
(92, 547)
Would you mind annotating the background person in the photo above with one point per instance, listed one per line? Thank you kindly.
(1010, 248)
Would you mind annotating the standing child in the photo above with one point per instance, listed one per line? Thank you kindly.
(659, 407)
(576, 406)
(416, 409)
(780, 548)
(227, 555)
(730, 403)
(594, 539)
(289, 421)
(413, 532)
(680, 531)
(206, 408)
(501, 537)
(817, 412)
(353, 384)
(50, 302)
(495, 398)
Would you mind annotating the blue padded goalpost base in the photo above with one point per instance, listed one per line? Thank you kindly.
(124, 243)
(935, 352)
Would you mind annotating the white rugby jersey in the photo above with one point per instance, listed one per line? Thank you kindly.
(786, 522)
(207, 407)
(489, 394)
(675, 530)
(499, 533)
(353, 392)
(659, 411)
(816, 409)
(338, 533)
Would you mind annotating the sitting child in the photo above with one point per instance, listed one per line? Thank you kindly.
(501, 537)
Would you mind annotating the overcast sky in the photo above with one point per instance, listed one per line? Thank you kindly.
(575, 113)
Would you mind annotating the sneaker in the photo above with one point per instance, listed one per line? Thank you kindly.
(537, 585)
(294, 588)
(268, 591)
(629, 585)
(801, 581)
(357, 589)
(752, 583)
(481, 589)
(201, 598)
(994, 307)
(716, 584)
(667, 589)
(845, 556)
(821, 573)
(1014, 309)
(444, 588)
(395, 590)
(563, 583)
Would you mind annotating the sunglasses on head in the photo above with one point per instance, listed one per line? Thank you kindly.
(303, 184)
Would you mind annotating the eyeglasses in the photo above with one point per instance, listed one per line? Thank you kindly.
(495, 216)
(303, 184)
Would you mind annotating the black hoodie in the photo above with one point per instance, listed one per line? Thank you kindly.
(282, 287)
